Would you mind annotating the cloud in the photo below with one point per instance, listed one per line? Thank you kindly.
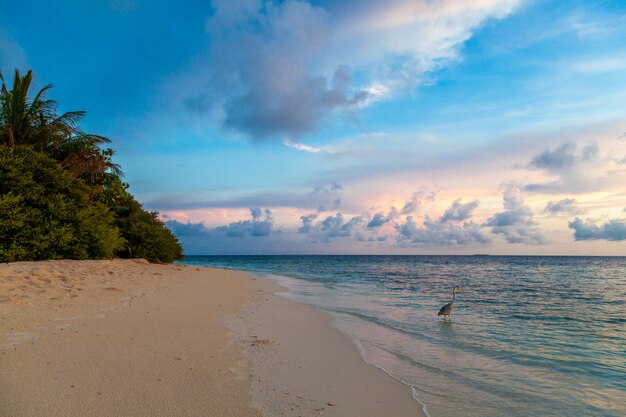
(186, 229)
(416, 201)
(266, 90)
(325, 194)
(572, 167)
(459, 211)
(401, 41)
(335, 226)
(307, 222)
(567, 206)
(327, 197)
(256, 235)
(330, 227)
(601, 65)
(380, 218)
(446, 231)
(439, 234)
(614, 230)
(322, 198)
(200, 240)
(261, 224)
(258, 226)
(554, 161)
(516, 222)
(451, 229)
(308, 148)
(277, 70)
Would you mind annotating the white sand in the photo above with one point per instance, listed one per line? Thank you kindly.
(128, 338)
(119, 338)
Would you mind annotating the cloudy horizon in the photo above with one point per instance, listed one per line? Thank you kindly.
(357, 127)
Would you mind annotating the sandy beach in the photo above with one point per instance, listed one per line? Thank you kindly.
(124, 337)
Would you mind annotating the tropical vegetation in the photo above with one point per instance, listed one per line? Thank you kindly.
(61, 196)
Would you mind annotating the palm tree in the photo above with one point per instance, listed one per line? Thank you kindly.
(20, 119)
(36, 123)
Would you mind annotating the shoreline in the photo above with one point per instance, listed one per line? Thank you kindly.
(97, 338)
(276, 285)
(300, 361)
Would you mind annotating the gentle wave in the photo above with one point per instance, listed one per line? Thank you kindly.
(530, 336)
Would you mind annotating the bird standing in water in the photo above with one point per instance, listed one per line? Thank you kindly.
(447, 309)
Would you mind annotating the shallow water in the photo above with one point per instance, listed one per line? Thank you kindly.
(530, 336)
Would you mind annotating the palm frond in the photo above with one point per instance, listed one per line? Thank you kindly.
(36, 122)
(70, 118)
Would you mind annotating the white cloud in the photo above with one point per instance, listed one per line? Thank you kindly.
(308, 148)
(565, 206)
(321, 198)
(417, 200)
(261, 224)
(400, 41)
(601, 65)
(279, 70)
(516, 222)
(330, 227)
(577, 171)
(436, 234)
(453, 228)
(614, 230)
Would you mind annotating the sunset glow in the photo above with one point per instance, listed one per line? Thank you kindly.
(405, 126)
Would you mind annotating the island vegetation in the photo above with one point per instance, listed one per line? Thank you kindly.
(61, 195)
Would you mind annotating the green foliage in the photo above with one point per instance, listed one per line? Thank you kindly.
(61, 195)
(145, 235)
(35, 122)
(45, 212)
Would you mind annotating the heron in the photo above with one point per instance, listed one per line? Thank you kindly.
(447, 309)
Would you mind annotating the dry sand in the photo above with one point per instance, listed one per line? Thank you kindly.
(119, 338)
(128, 338)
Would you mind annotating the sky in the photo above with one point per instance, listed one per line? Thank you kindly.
(352, 127)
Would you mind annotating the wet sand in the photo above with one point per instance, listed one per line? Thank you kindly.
(301, 365)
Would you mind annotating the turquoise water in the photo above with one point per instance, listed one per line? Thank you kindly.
(530, 336)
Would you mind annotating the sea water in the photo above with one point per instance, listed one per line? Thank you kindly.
(529, 336)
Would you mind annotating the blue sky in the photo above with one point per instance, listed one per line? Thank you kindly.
(405, 126)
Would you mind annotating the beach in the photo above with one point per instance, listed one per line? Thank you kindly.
(313, 208)
(530, 336)
(125, 337)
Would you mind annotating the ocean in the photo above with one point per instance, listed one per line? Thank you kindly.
(529, 336)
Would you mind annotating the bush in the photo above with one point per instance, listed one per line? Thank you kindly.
(45, 212)
(68, 202)
(144, 234)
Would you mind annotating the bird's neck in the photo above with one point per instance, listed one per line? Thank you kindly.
(453, 295)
